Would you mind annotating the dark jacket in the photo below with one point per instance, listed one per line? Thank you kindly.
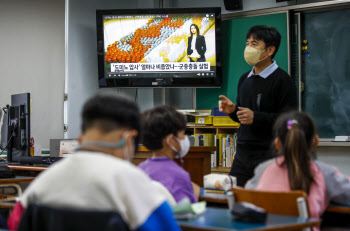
(200, 47)
(267, 98)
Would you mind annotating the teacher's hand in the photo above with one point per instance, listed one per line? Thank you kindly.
(225, 105)
(245, 115)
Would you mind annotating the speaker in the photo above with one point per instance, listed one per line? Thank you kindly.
(233, 4)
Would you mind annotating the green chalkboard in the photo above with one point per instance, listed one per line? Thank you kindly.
(234, 38)
(326, 72)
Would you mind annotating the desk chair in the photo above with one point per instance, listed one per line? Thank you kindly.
(282, 203)
(6, 192)
(42, 218)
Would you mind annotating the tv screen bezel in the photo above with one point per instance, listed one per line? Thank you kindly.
(147, 82)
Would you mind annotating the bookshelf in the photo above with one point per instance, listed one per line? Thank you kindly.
(216, 130)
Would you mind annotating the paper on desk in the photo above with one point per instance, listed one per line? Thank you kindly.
(199, 207)
(185, 210)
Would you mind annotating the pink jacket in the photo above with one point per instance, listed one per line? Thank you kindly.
(330, 184)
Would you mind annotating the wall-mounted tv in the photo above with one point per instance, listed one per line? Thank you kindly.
(172, 47)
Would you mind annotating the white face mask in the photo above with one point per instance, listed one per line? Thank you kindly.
(252, 55)
(184, 146)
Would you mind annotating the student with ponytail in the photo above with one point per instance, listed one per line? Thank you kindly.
(295, 167)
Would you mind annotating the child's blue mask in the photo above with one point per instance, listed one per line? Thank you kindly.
(120, 144)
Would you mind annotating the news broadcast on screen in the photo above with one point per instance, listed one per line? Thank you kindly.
(171, 47)
(159, 43)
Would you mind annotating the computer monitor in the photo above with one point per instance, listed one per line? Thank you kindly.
(15, 133)
(18, 127)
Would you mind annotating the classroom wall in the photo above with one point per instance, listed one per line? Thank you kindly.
(82, 71)
(335, 156)
(247, 4)
(32, 60)
(82, 81)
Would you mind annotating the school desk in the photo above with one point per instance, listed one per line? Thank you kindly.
(27, 168)
(221, 219)
(17, 179)
(338, 208)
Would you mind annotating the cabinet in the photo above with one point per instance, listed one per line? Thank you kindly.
(216, 130)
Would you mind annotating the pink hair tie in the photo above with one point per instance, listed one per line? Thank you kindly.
(290, 123)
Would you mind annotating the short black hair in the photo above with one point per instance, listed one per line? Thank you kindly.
(158, 123)
(269, 35)
(109, 112)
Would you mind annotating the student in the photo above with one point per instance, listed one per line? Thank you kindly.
(196, 47)
(99, 176)
(263, 93)
(295, 168)
(164, 134)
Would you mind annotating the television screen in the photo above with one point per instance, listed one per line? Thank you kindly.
(159, 47)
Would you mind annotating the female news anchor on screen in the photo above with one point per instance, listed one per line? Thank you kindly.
(196, 45)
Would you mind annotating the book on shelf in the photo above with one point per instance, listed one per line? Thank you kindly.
(223, 151)
(214, 154)
(219, 145)
(205, 139)
(226, 144)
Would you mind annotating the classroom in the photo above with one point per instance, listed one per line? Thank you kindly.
(49, 49)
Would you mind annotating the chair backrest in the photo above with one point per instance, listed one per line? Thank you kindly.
(283, 203)
(42, 218)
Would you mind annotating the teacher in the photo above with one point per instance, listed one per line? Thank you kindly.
(263, 94)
